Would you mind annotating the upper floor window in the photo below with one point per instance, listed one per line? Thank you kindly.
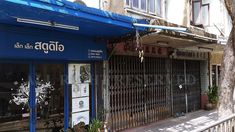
(143, 5)
(135, 3)
(152, 4)
(147, 6)
(127, 2)
(200, 13)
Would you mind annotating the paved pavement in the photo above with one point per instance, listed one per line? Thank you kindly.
(190, 122)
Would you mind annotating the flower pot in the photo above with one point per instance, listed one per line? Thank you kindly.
(210, 106)
(204, 100)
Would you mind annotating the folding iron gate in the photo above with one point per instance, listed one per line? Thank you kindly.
(186, 86)
(139, 92)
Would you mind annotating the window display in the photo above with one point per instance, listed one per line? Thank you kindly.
(80, 79)
(14, 94)
(49, 95)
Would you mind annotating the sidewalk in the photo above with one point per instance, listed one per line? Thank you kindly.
(190, 122)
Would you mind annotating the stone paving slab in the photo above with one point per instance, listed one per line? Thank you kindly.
(190, 122)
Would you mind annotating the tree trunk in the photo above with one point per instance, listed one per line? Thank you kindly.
(225, 105)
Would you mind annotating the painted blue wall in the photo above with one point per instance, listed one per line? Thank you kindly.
(18, 42)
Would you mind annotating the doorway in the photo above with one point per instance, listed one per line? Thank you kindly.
(186, 86)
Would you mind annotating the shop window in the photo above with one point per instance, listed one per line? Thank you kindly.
(50, 96)
(14, 93)
(147, 6)
(200, 14)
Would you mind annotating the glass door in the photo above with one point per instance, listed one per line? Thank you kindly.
(14, 95)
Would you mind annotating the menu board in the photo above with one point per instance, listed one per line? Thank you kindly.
(80, 79)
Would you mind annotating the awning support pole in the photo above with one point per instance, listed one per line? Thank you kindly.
(66, 98)
(32, 97)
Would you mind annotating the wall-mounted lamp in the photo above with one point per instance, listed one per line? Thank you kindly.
(47, 23)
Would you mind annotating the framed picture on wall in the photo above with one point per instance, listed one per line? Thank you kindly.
(79, 73)
(80, 90)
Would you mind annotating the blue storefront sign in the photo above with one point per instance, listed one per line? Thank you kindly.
(30, 44)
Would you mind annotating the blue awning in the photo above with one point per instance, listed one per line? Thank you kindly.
(66, 16)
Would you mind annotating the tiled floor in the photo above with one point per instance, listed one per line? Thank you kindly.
(190, 122)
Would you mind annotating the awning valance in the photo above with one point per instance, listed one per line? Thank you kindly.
(66, 16)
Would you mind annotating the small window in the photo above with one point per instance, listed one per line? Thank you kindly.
(215, 74)
(143, 5)
(219, 73)
(196, 12)
(200, 14)
(147, 6)
(135, 3)
(159, 7)
(127, 2)
(205, 14)
(152, 6)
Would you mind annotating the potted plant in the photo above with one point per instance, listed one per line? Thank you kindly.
(212, 94)
(95, 126)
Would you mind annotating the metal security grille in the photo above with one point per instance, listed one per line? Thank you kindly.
(178, 86)
(193, 85)
(139, 92)
(186, 86)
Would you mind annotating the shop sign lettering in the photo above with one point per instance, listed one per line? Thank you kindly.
(45, 47)
(95, 54)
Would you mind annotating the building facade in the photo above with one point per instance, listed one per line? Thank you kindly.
(142, 75)
(177, 68)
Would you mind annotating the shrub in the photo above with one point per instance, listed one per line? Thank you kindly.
(213, 94)
(95, 126)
